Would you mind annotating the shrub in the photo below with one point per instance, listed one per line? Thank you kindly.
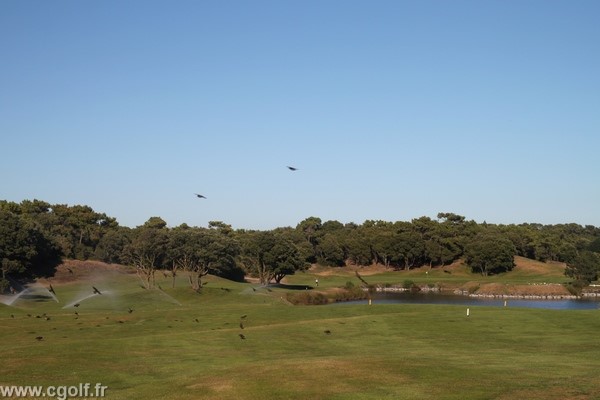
(307, 298)
(576, 287)
(355, 293)
(408, 284)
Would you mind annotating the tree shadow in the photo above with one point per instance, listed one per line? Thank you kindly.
(292, 287)
(37, 297)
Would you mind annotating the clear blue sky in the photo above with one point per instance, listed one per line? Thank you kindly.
(391, 110)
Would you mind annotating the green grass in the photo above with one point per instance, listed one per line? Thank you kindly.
(373, 352)
(526, 272)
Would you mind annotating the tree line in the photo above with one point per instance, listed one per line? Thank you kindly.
(35, 235)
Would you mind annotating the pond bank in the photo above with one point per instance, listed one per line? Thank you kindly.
(497, 291)
(448, 298)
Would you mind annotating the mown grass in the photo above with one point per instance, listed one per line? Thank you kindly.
(525, 272)
(183, 345)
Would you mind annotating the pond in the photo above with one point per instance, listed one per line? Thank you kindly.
(434, 298)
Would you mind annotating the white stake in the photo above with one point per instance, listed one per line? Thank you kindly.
(468, 312)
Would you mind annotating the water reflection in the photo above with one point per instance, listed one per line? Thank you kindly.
(429, 298)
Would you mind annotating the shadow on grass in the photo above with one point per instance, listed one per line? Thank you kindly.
(36, 297)
(292, 287)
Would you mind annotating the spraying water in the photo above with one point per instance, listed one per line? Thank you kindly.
(53, 295)
(86, 297)
(170, 298)
(34, 290)
(10, 300)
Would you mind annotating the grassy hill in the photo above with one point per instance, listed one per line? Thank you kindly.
(177, 344)
(527, 275)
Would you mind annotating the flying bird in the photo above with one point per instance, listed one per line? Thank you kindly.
(51, 290)
(76, 305)
(96, 291)
(129, 310)
(39, 338)
(200, 196)
(242, 336)
(243, 316)
(292, 168)
(327, 332)
(241, 326)
(70, 270)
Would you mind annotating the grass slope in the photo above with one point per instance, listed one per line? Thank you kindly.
(526, 272)
(180, 345)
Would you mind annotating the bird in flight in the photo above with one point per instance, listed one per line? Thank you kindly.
(200, 196)
(51, 290)
(96, 291)
(292, 168)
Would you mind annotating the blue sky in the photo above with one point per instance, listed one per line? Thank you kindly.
(391, 110)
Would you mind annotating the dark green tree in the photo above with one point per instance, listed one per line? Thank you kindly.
(330, 251)
(409, 250)
(584, 267)
(271, 256)
(111, 246)
(382, 239)
(490, 254)
(451, 218)
(202, 251)
(25, 252)
(357, 248)
(594, 245)
(148, 249)
(311, 229)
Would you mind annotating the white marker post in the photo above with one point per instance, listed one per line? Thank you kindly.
(468, 312)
